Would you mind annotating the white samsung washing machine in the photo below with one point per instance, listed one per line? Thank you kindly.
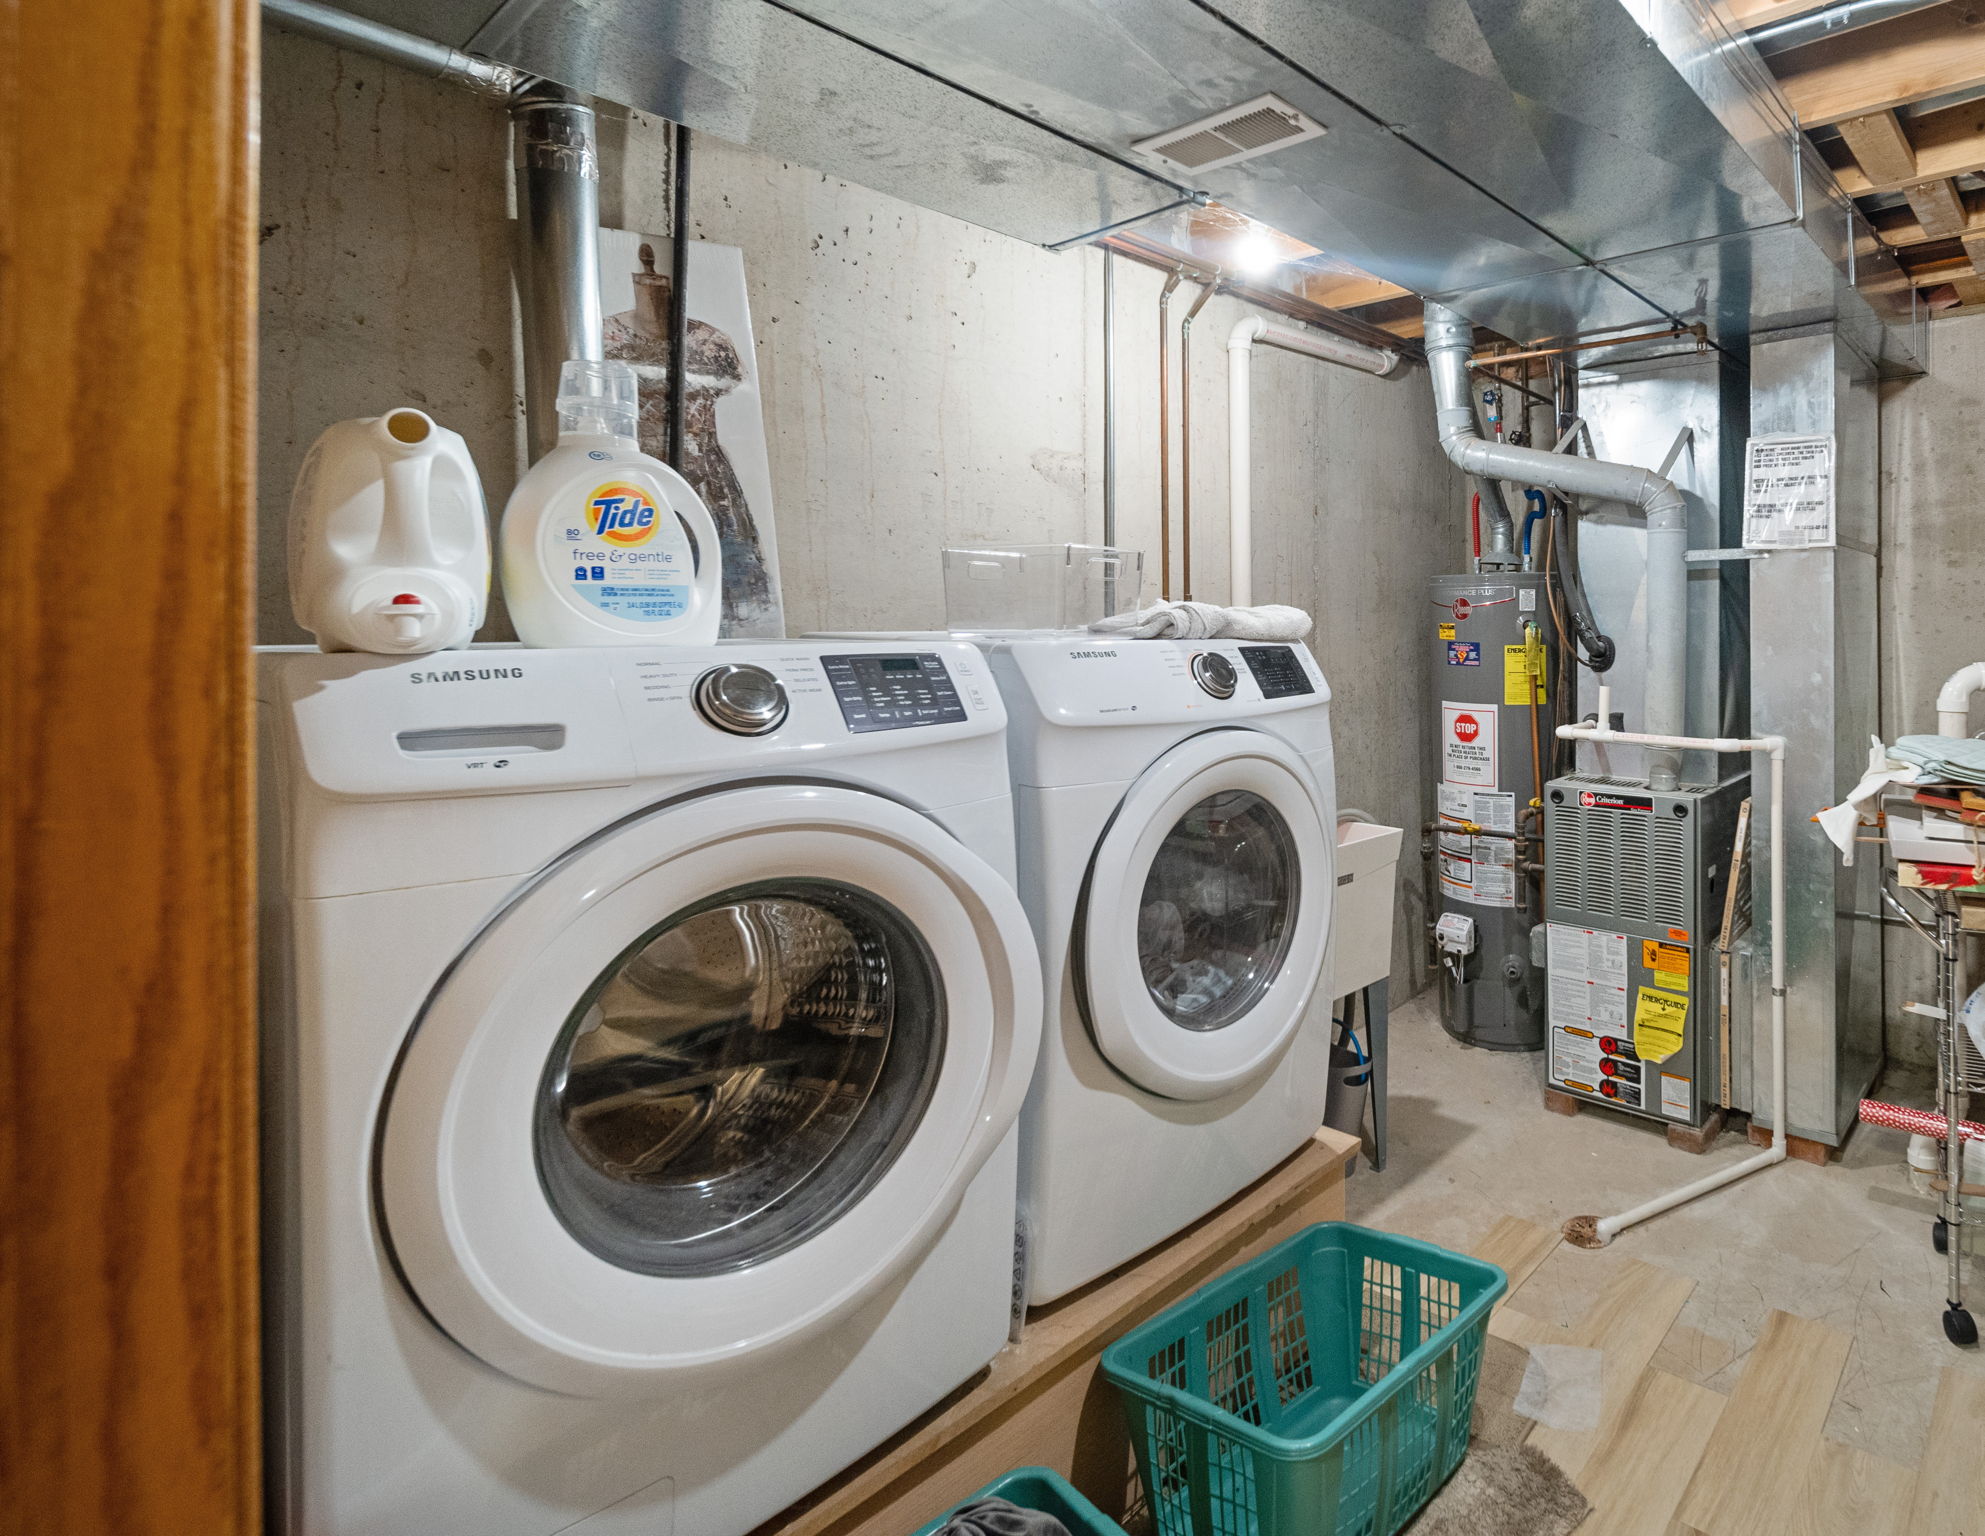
(1175, 804)
(645, 1030)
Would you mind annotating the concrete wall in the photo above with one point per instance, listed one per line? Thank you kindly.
(1932, 582)
(926, 383)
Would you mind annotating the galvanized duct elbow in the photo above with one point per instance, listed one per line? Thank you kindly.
(1449, 342)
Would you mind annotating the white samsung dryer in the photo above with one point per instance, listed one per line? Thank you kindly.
(1175, 805)
(645, 1033)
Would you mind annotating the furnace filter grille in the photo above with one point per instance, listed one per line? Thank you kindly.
(1227, 138)
(1631, 866)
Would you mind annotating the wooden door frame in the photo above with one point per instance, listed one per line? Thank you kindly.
(127, 1102)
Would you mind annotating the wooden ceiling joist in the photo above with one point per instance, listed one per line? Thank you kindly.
(1901, 230)
(1871, 69)
(1880, 147)
(1947, 143)
(1938, 208)
(1752, 14)
(1344, 290)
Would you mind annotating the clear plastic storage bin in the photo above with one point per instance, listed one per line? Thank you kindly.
(1038, 586)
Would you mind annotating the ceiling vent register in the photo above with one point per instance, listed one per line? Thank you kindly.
(1253, 128)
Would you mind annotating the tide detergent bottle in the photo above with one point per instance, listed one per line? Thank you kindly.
(388, 541)
(601, 544)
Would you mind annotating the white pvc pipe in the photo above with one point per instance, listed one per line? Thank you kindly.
(1610, 1227)
(1240, 428)
(1954, 699)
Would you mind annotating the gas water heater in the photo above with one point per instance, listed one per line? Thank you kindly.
(1493, 656)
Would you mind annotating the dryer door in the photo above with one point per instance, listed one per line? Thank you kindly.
(1206, 915)
(706, 1084)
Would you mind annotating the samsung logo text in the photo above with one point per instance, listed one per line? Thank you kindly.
(466, 675)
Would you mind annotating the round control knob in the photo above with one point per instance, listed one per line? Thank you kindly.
(744, 700)
(1214, 673)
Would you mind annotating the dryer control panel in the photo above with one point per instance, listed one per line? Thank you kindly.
(1276, 670)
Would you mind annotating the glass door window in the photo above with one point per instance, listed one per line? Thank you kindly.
(1217, 910)
(739, 1077)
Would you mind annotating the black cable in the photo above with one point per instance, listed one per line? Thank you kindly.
(678, 399)
(1599, 649)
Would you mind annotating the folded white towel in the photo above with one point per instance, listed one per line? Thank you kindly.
(1208, 621)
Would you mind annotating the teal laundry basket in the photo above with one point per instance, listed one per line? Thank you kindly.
(1322, 1389)
(1039, 1489)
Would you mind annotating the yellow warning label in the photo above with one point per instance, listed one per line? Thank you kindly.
(1523, 674)
(1447, 631)
(1659, 1019)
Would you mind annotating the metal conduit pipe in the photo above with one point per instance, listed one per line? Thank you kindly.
(1110, 405)
(436, 60)
(558, 217)
(1449, 340)
(1185, 436)
(1165, 432)
(1240, 407)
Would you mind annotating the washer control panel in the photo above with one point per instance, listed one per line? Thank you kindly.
(1215, 674)
(890, 693)
(1276, 670)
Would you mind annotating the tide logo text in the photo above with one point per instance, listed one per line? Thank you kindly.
(622, 515)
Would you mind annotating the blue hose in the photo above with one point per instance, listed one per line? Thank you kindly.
(1537, 506)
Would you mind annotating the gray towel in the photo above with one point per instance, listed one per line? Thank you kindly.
(996, 1517)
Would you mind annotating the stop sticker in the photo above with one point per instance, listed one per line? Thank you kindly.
(1461, 607)
(1468, 742)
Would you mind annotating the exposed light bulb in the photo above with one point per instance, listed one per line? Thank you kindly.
(1256, 253)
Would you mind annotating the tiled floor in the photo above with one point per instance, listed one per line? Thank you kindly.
(1847, 1245)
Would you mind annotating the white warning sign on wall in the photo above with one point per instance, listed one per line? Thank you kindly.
(1788, 491)
(1468, 744)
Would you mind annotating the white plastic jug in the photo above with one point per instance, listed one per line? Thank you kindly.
(602, 544)
(388, 541)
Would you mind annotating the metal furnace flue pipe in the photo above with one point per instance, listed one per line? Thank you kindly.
(1449, 342)
(1240, 469)
(1609, 1227)
(558, 221)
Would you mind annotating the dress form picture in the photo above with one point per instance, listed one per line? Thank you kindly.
(724, 456)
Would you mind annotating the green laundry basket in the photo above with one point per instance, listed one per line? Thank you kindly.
(1039, 1489)
(1322, 1389)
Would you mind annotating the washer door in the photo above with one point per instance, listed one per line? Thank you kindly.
(705, 1085)
(1206, 915)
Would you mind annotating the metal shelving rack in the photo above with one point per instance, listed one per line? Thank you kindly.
(1960, 1073)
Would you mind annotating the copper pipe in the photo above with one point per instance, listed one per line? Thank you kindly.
(1185, 436)
(1496, 359)
(1165, 433)
(1164, 258)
